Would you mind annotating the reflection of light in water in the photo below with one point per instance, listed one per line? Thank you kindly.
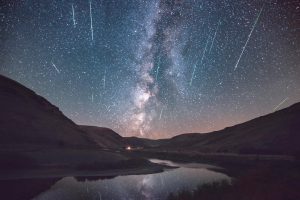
(162, 181)
(164, 162)
(185, 165)
(147, 186)
(151, 186)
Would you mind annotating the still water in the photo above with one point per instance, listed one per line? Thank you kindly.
(150, 186)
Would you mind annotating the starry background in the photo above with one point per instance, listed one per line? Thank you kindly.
(155, 68)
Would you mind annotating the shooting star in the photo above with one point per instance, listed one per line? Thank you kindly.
(73, 16)
(282, 102)
(212, 44)
(157, 70)
(249, 36)
(55, 67)
(161, 113)
(91, 20)
(107, 107)
(104, 79)
(203, 55)
(92, 97)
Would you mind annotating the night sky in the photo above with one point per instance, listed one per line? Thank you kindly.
(155, 68)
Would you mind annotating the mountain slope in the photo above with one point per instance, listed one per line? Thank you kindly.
(27, 118)
(107, 138)
(275, 133)
(104, 137)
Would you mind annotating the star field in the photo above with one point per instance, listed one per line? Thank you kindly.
(155, 68)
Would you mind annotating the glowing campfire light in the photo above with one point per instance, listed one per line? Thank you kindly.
(128, 148)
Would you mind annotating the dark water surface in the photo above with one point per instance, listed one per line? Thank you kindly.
(150, 186)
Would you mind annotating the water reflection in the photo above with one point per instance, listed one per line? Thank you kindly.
(185, 165)
(151, 186)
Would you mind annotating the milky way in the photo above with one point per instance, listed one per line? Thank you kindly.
(155, 68)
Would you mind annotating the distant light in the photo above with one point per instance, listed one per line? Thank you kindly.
(128, 148)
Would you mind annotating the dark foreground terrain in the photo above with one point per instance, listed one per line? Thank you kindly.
(259, 177)
(272, 181)
(255, 179)
(39, 146)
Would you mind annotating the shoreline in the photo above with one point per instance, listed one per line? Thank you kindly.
(60, 173)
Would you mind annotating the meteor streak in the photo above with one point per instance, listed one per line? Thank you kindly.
(104, 79)
(280, 104)
(249, 36)
(55, 67)
(212, 44)
(157, 69)
(73, 16)
(203, 55)
(91, 20)
(161, 113)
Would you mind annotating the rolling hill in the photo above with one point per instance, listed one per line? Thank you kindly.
(275, 133)
(103, 137)
(29, 119)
